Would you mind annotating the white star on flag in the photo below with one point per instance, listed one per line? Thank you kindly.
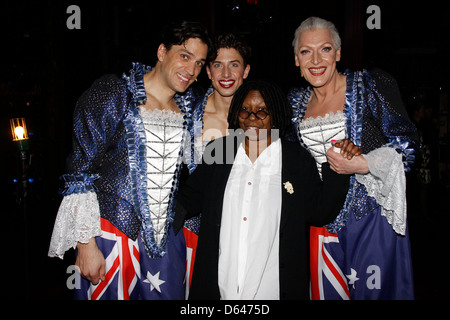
(352, 278)
(154, 281)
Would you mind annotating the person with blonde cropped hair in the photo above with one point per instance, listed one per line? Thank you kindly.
(365, 252)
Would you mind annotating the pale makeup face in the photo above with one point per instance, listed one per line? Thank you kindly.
(182, 63)
(227, 72)
(317, 57)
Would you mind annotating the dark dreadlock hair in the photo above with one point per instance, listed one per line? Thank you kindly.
(276, 103)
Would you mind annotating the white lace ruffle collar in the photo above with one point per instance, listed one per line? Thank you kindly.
(328, 118)
(160, 116)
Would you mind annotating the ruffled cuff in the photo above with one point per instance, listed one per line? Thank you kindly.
(78, 220)
(386, 183)
(78, 183)
(406, 149)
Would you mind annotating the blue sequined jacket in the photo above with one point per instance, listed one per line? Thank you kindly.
(108, 154)
(375, 118)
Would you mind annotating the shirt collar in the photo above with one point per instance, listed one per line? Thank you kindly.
(269, 159)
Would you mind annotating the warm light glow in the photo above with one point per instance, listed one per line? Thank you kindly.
(19, 129)
(19, 132)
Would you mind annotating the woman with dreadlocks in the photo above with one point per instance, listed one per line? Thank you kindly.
(257, 192)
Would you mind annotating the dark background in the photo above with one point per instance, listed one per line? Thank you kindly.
(44, 68)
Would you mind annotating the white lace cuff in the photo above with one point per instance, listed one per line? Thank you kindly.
(78, 220)
(386, 183)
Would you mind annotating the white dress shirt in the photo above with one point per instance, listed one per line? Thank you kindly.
(249, 234)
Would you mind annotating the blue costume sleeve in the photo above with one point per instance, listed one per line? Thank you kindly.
(389, 115)
(97, 114)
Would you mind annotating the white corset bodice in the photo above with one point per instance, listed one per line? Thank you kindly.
(317, 134)
(164, 133)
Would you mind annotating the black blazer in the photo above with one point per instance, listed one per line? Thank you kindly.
(311, 203)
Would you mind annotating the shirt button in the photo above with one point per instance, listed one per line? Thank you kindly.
(249, 183)
(245, 219)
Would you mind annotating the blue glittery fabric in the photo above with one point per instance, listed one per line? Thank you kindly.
(108, 154)
(375, 118)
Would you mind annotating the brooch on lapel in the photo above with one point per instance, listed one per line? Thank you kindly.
(289, 188)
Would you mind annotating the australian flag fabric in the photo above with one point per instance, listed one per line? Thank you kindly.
(366, 260)
(131, 274)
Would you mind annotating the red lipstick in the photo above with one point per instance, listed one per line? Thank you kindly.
(317, 71)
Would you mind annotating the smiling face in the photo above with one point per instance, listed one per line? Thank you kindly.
(227, 71)
(182, 63)
(255, 129)
(316, 56)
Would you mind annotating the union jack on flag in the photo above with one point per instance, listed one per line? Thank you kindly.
(122, 266)
(327, 279)
(132, 274)
(366, 260)
(190, 229)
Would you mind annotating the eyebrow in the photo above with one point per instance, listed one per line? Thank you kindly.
(191, 54)
(231, 61)
(320, 45)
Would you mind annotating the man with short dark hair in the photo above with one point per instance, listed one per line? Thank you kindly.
(128, 141)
